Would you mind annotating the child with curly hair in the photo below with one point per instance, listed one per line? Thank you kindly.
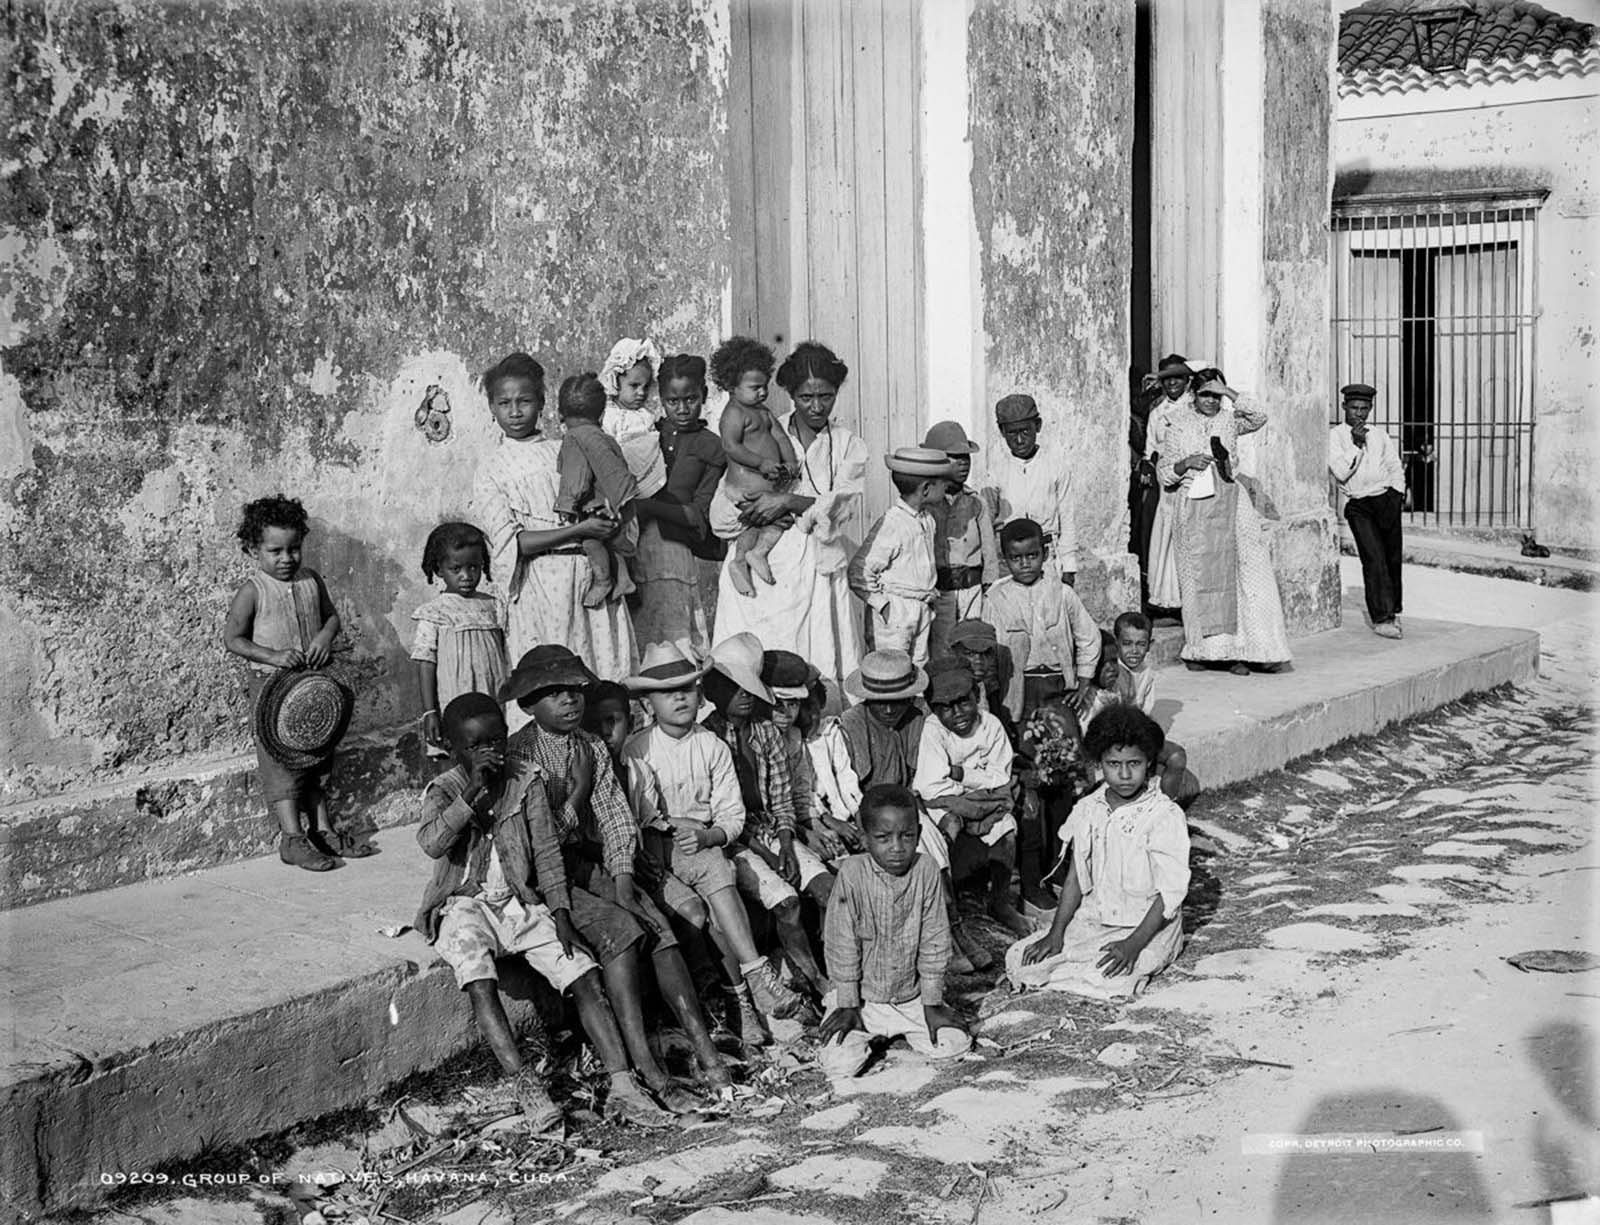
(283, 617)
(761, 458)
(460, 643)
(596, 482)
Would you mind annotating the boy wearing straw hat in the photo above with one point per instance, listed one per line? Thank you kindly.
(966, 554)
(894, 571)
(699, 789)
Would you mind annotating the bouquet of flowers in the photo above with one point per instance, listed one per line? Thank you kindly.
(1057, 751)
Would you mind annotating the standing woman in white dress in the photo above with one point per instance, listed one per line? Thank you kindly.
(809, 609)
(1173, 376)
(538, 557)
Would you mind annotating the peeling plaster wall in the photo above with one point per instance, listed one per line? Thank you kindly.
(1554, 144)
(1296, 292)
(1051, 124)
(239, 241)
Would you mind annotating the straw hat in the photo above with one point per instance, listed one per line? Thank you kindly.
(551, 666)
(300, 715)
(919, 461)
(788, 675)
(739, 659)
(667, 666)
(886, 676)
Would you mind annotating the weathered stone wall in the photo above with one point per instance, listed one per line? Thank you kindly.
(1051, 123)
(242, 240)
(1297, 121)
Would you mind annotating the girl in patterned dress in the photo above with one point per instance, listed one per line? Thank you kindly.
(460, 643)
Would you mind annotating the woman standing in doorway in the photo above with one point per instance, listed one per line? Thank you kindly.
(808, 610)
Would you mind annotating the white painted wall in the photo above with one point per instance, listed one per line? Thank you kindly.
(1549, 133)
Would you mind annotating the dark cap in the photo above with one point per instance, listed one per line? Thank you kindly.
(551, 666)
(948, 679)
(1015, 407)
(1358, 391)
(974, 633)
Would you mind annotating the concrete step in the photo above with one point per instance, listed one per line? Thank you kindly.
(151, 1020)
(1492, 558)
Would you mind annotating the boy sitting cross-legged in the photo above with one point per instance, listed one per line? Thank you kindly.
(887, 938)
(486, 824)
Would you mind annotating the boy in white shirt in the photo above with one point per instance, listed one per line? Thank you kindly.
(1366, 466)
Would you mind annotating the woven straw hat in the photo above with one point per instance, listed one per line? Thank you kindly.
(886, 676)
(301, 715)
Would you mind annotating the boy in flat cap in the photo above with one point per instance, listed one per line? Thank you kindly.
(1366, 466)
(1030, 481)
(966, 553)
(894, 570)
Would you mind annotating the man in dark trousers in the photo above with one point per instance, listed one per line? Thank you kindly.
(1366, 466)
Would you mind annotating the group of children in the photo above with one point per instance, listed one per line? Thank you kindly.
(632, 845)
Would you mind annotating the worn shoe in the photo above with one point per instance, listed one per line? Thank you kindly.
(629, 1103)
(1386, 629)
(538, 1108)
(676, 1098)
(747, 1023)
(1194, 665)
(342, 843)
(296, 851)
(1238, 668)
(770, 995)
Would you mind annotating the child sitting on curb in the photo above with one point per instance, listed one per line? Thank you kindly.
(770, 862)
(888, 941)
(486, 824)
(1120, 919)
(599, 840)
(964, 776)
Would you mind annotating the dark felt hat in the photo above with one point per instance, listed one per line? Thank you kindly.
(1016, 407)
(973, 633)
(787, 675)
(949, 679)
(1359, 391)
(301, 715)
(550, 666)
(949, 437)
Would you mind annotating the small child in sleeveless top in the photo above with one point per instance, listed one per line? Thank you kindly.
(460, 643)
(283, 617)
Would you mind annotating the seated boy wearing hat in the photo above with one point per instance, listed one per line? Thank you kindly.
(499, 890)
(1030, 480)
(966, 553)
(887, 937)
(975, 644)
(894, 571)
(767, 857)
(798, 698)
(699, 789)
(964, 777)
(599, 840)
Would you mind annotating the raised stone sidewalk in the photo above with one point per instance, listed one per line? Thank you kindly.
(155, 1019)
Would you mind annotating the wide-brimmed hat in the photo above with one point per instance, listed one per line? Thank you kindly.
(919, 461)
(1358, 391)
(739, 659)
(667, 666)
(974, 633)
(550, 666)
(886, 676)
(949, 679)
(1018, 406)
(1173, 367)
(301, 715)
(949, 437)
(787, 675)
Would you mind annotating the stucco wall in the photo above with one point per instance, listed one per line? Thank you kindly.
(1051, 124)
(1554, 144)
(243, 239)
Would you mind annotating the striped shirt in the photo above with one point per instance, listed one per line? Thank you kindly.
(606, 819)
(887, 938)
(761, 760)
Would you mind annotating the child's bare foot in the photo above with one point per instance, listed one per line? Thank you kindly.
(629, 1103)
(537, 1107)
(599, 592)
(739, 576)
(977, 957)
(296, 851)
(1004, 913)
(759, 568)
(714, 1072)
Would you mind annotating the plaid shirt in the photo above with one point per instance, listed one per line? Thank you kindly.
(887, 938)
(606, 819)
(761, 760)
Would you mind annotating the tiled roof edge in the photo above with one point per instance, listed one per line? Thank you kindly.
(1537, 67)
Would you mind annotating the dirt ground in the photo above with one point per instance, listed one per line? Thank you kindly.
(1342, 1040)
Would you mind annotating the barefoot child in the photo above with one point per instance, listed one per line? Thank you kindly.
(596, 483)
(283, 617)
(798, 698)
(761, 459)
(460, 643)
(888, 942)
(700, 794)
(599, 841)
(893, 571)
(768, 862)
(964, 777)
(1120, 920)
(499, 890)
(1136, 683)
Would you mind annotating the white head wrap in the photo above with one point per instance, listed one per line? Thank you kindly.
(624, 356)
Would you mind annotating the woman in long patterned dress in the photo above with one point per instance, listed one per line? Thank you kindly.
(538, 557)
(809, 609)
(1231, 610)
